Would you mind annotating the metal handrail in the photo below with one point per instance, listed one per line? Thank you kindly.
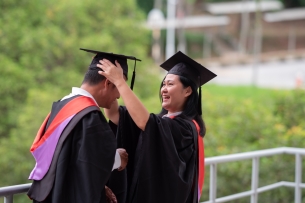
(255, 190)
(8, 192)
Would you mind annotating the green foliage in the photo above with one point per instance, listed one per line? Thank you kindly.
(286, 3)
(194, 43)
(146, 5)
(41, 61)
(52, 37)
(294, 3)
(242, 119)
(13, 90)
(220, 1)
(291, 109)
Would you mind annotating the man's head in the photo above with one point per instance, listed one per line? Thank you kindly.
(102, 90)
(121, 59)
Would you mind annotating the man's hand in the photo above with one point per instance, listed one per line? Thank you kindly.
(110, 196)
(124, 158)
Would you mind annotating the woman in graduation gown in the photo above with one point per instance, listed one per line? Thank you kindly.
(166, 158)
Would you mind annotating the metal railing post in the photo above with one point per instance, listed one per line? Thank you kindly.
(255, 176)
(8, 199)
(213, 182)
(298, 178)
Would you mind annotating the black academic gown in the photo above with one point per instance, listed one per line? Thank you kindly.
(162, 163)
(84, 162)
(127, 135)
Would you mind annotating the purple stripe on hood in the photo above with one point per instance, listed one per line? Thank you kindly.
(44, 153)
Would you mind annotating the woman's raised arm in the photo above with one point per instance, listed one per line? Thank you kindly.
(136, 109)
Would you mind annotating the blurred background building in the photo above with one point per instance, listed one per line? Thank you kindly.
(234, 37)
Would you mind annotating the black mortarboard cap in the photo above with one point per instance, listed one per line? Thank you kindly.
(181, 64)
(122, 59)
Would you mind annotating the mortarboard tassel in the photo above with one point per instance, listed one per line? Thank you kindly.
(199, 102)
(199, 108)
(133, 75)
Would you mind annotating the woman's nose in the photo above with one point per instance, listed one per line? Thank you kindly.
(163, 89)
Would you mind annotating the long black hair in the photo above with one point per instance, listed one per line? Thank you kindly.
(190, 108)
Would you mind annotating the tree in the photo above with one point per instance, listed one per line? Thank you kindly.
(41, 60)
(293, 3)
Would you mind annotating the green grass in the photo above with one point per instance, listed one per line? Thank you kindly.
(241, 92)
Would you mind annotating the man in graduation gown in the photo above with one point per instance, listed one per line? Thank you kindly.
(75, 149)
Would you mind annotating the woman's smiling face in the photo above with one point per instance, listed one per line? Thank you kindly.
(174, 95)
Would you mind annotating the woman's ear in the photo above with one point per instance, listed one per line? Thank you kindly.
(188, 91)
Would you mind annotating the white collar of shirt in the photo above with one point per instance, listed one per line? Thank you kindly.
(79, 91)
(172, 114)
